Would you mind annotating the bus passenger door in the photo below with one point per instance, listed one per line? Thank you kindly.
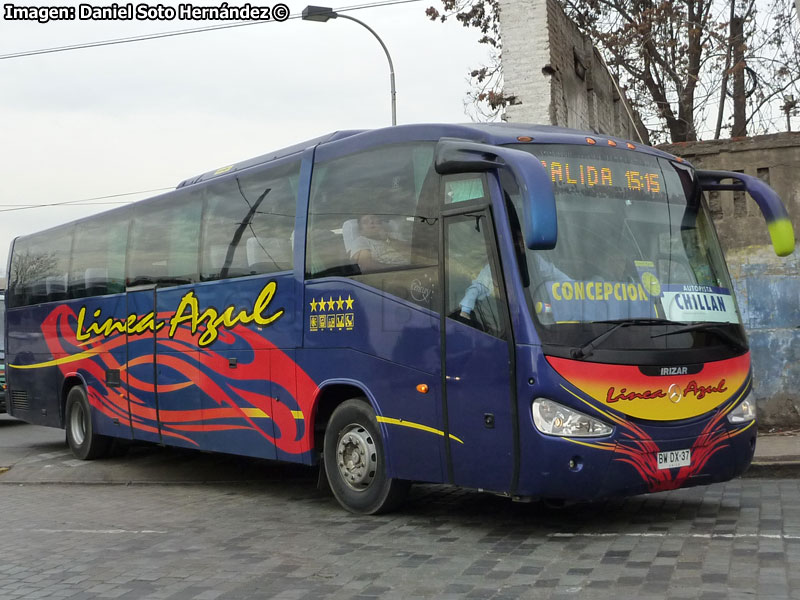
(477, 360)
(140, 375)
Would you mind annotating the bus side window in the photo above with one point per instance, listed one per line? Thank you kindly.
(98, 257)
(20, 276)
(248, 224)
(165, 241)
(326, 254)
(376, 212)
(39, 267)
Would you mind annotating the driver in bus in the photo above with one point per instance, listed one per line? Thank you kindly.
(483, 286)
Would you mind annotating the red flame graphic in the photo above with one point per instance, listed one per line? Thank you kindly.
(291, 435)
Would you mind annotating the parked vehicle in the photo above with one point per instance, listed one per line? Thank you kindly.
(532, 311)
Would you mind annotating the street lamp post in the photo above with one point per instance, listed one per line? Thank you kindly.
(322, 14)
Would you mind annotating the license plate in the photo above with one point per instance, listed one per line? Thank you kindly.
(674, 458)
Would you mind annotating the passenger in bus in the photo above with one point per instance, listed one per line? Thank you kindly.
(373, 246)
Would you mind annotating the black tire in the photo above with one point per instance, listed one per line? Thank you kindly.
(83, 441)
(355, 461)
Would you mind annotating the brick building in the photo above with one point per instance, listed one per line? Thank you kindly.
(558, 78)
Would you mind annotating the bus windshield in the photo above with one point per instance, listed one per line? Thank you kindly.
(635, 243)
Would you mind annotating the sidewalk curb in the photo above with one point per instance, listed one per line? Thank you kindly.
(785, 468)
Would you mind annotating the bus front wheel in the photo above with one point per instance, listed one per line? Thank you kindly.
(355, 461)
(83, 441)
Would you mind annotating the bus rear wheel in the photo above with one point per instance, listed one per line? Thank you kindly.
(83, 441)
(355, 461)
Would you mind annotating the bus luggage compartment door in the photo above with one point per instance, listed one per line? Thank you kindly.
(140, 375)
(162, 372)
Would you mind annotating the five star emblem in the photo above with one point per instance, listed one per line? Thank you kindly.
(340, 303)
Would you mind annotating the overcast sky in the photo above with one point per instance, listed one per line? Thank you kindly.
(146, 115)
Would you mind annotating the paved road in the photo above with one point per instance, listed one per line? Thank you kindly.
(201, 526)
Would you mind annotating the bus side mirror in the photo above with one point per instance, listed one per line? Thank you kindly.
(540, 226)
(778, 222)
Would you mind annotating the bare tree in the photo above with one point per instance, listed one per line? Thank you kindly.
(772, 64)
(31, 266)
(486, 98)
(675, 58)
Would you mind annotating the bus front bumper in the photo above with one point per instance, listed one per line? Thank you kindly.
(583, 470)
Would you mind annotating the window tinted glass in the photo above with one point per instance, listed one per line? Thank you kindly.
(165, 240)
(39, 267)
(472, 282)
(461, 188)
(376, 212)
(98, 256)
(633, 239)
(248, 224)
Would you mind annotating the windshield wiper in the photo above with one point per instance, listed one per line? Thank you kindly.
(712, 327)
(587, 349)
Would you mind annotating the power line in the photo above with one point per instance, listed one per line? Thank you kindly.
(155, 36)
(26, 206)
(141, 38)
(82, 201)
(128, 40)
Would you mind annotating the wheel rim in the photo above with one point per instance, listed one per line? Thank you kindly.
(356, 457)
(77, 424)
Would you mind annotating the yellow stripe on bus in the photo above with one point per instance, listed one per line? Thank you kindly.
(599, 446)
(412, 425)
(58, 361)
(257, 413)
(742, 430)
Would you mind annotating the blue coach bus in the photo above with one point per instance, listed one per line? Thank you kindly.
(531, 311)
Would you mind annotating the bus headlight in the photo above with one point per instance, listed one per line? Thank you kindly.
(745, 411)
(553, 418)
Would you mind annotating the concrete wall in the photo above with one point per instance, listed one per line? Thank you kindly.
(555, 74)
(767, 286)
